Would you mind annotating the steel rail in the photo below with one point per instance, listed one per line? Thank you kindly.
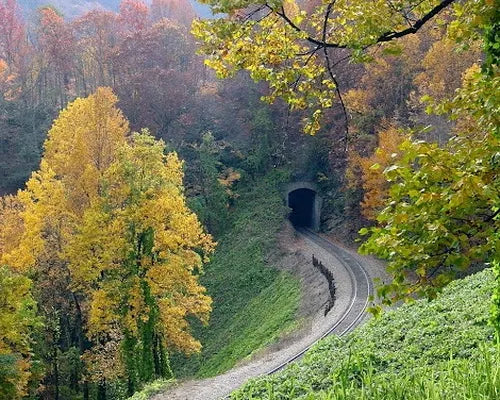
(360, 293)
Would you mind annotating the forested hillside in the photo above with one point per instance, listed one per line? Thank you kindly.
(145, 156)
(71, 9)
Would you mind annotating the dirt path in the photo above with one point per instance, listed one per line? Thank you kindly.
(351, 296)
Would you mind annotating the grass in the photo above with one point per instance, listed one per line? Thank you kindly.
(253, 302)
(151, 389)
(476, 378)
(443, 349)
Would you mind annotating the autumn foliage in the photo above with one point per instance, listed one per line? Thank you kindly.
(371, 170)
(104, 229)
(100, 255)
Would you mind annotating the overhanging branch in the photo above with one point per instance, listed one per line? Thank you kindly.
(385, 37)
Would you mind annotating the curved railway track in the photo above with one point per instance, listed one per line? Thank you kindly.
(222, 386)
(361, 291)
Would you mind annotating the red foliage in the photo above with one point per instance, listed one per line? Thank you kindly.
(12, 33)
(134, 14)
(56, 38)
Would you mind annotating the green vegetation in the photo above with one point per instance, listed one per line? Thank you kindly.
(441, 349)
(151, 389)
(103, 248)
(253, 303)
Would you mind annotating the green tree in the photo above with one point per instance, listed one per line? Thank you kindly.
(137, 258)
(114, 251)
(443, 206)
(18, 322)
(441, 211)
(212, 198)
(259, 160)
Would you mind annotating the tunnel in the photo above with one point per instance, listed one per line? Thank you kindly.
(301, 201)
(305, 205)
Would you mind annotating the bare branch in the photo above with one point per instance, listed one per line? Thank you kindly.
(388, 36)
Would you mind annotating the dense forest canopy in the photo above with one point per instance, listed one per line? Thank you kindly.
(113, 109)
(101, 302)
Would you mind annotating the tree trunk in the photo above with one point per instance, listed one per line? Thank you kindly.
(101, 391)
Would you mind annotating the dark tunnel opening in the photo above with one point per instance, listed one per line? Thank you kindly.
(301, 201)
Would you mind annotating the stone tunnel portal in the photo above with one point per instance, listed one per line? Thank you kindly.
(305, 204)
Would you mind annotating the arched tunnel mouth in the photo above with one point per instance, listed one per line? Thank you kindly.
(302, 201)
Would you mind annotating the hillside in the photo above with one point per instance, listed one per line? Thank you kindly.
(74, 8)
(407, 350)
(246, 289)
(166, 181)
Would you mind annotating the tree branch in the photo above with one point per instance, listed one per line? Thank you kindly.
(385, 37)
(388, 36)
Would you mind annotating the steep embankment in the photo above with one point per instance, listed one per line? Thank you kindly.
(253, 302)
(442, 349)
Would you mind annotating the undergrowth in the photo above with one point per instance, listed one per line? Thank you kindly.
(152, 388)
(253, 302)
(441, 349)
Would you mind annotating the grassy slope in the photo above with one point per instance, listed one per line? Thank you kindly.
(253, 303)
(403, 355)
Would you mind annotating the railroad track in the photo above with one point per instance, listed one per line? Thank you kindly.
(360, 294)
(352, 316)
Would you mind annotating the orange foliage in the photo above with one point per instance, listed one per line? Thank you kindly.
(440, 79)
(371, 168)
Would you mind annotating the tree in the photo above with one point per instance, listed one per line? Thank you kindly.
(211, 196)
(134, 15)
(79, 148)
(177, 10)
(157, 76)
(82, 144)
(296, 52)
(97, 35)
(115, 252)
(374, 183)
(442, 212)
(57, 45)
(139, 269)
(12, 35)
(18, 320)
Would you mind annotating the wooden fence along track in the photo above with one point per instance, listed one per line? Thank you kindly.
(360, 294)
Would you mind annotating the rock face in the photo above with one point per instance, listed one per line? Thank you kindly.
(71, 9)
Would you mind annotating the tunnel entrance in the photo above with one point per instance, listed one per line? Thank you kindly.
(302, 202)
(303, 199)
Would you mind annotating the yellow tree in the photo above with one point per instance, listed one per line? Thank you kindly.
(17, 310)
(80, 147)
(115, 252)
(137, 257)
(11, 226)
(82, 144)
